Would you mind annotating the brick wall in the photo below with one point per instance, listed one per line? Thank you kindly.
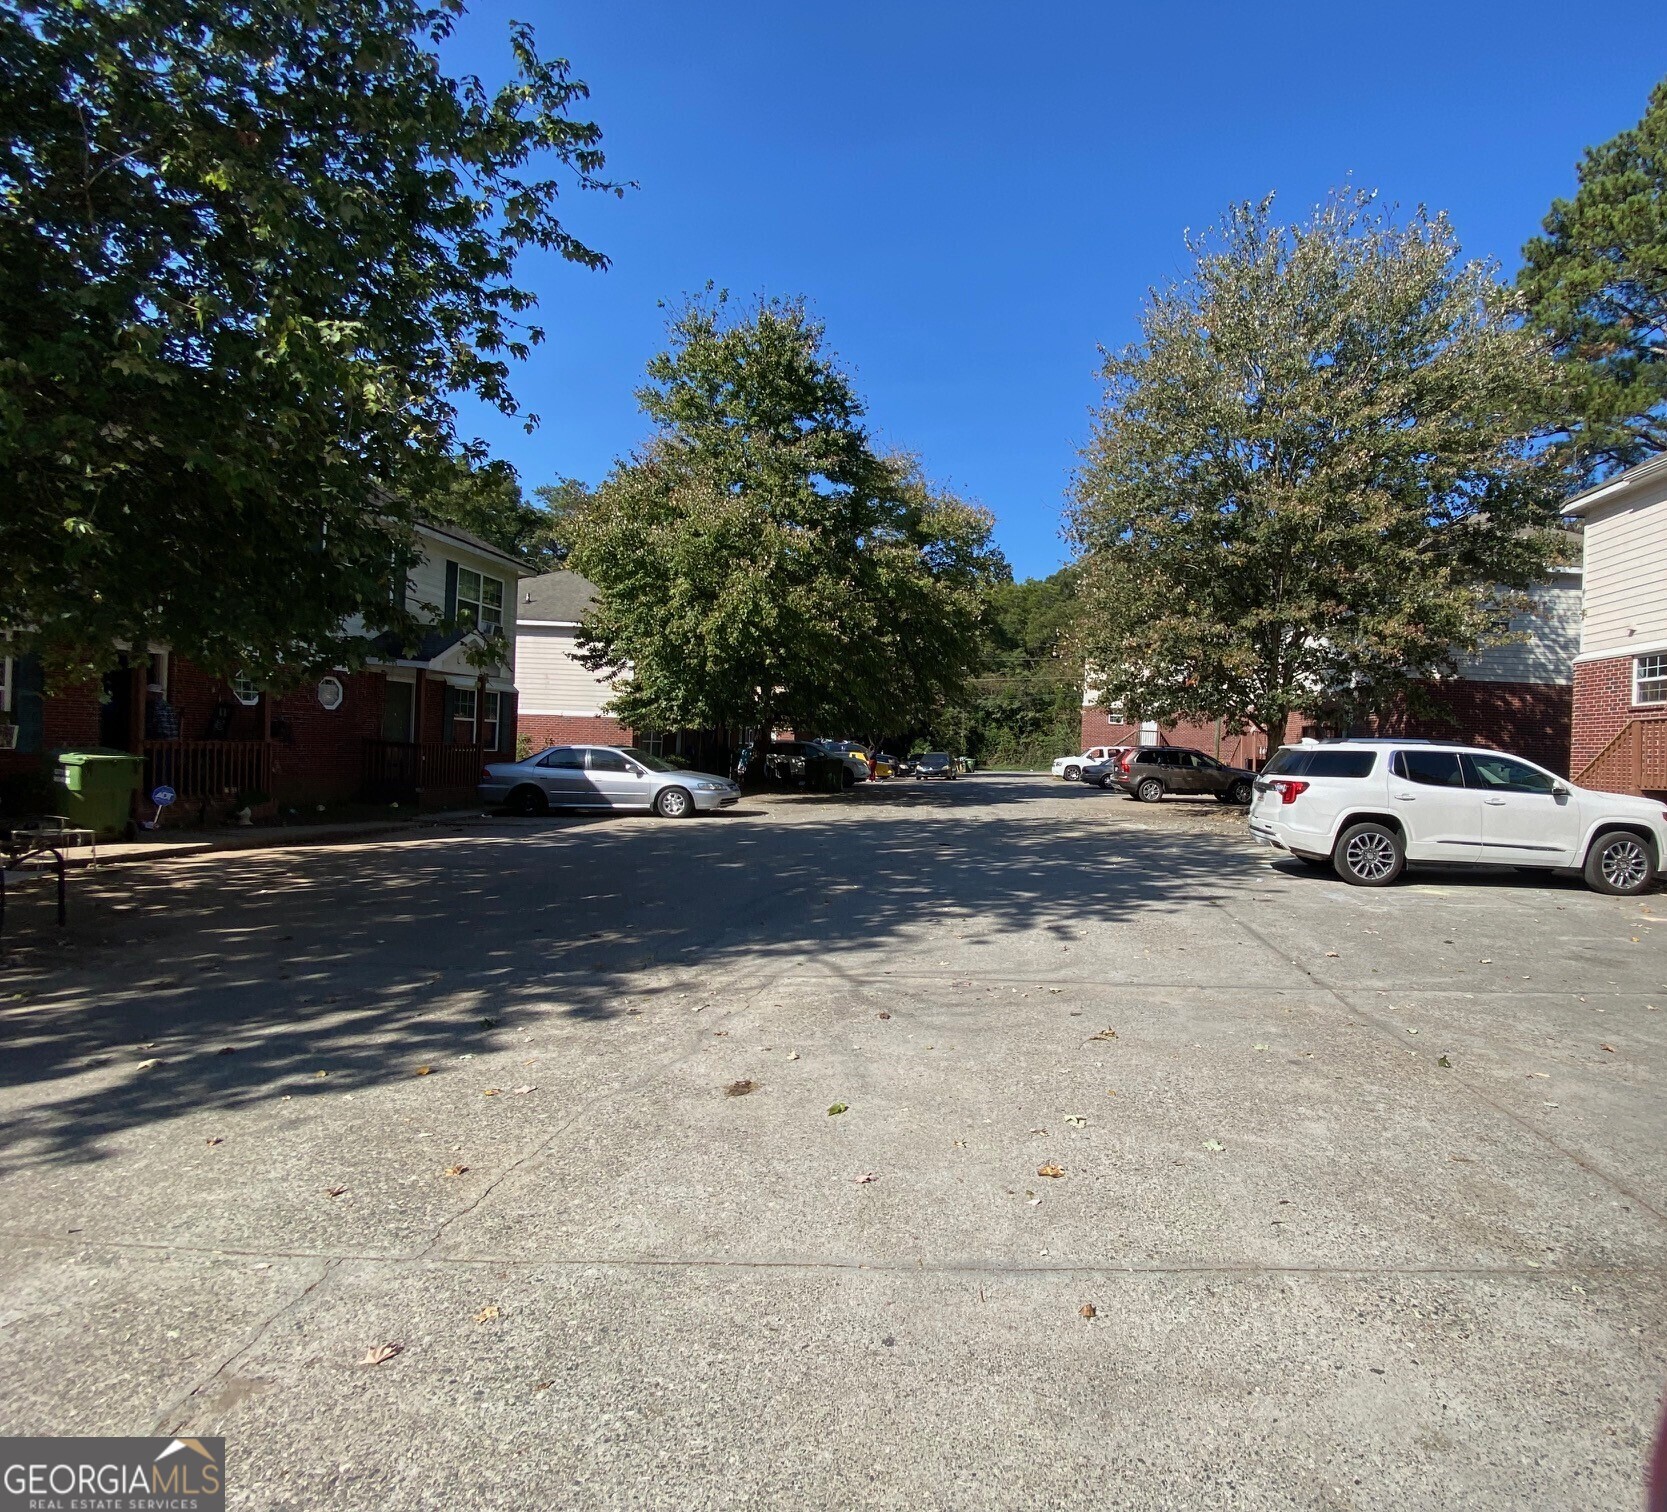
(1531, 720)
(69, 717)
(1602, 706)
(572, 729)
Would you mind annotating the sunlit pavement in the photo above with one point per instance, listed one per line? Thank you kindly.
(1362, 1204)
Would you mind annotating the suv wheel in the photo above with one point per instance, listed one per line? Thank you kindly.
(1618, 863)
(1369, 855)
(1240, 793)
(1072, 774)
(1148, 790)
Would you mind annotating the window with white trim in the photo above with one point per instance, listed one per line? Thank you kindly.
(489, 719)
(1649, 679)
(480, 600)
(463, 716)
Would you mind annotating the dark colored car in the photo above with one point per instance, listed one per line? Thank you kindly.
(935, 764)
(1153, 772)
(1104, 772)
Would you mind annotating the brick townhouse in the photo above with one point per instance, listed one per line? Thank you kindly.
(1620, 673)
(1516, 697)
(411, 724)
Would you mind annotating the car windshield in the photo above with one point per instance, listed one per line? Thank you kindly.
(653, 763)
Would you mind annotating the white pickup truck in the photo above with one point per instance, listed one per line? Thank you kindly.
(1070, 767)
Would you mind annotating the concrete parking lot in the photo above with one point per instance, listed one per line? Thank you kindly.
(1361, 1196)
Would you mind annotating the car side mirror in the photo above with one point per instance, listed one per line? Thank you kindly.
(1560, 790)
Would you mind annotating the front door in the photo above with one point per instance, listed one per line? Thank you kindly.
(396, 710)
(1525, 821)
(618, 782)
(1441, 817)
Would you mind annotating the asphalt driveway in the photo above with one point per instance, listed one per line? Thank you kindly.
(1361, 1197)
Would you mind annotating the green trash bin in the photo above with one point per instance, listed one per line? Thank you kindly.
(97, 787)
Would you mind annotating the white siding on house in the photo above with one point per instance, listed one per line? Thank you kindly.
(1626, 573)
(1553, 639)
(425, 590)
(550, 677)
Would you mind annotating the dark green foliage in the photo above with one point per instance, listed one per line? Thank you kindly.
(1596, 284)
(249, 252)
(759, 564)
(1315, 481)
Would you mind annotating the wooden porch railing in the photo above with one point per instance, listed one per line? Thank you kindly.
(207, 768)
(1635, 761)
(403, 766)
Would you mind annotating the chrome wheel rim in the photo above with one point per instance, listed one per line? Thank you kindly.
(672, 803)
(1370, 856)
(1625, 865)
(1151, 791)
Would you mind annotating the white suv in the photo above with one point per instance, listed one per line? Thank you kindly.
(1070, 767)
(1368, 807)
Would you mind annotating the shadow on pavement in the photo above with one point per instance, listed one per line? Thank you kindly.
(244, 975)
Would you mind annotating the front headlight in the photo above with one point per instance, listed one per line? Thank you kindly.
(711, 787)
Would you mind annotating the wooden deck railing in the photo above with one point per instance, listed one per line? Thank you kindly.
(1635, 761)
(207, 768)
(404, 766)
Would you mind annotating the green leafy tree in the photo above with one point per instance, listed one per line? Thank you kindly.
(759, 564)
(486, 499)
(249, 255)
(1596, 284)
(1313, 482)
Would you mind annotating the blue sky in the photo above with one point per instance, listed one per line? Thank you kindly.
(976, 196)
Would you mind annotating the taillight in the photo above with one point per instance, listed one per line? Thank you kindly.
(1288, 789)
(1124, 760)
(486, 774)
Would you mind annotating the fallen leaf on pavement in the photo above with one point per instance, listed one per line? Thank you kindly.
(835, 1109)
(488, 1023)
(523, 1091)
(456, 1170)
(1051, 1171)
(334, 1191)
(423, 1071)
(321, 1073)
(216, 1139)
(1214, 1144)
(1076, 1119)
(489, 1092)
(487, 1313)
(1412, 1031)
(1609, 1048)
(792, 1055)
(381, 1353)
(864, 1179)
(883, 1015)
(227, 1050)
(1445, 1064)
(148, 1065)
(1332, 955)
(1258, 1047)
(1104, 1034)
(1543, 1075)
(740, 1088)
(1087, 1311)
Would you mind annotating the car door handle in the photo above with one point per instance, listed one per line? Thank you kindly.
(1404, 797)
(1496, 802)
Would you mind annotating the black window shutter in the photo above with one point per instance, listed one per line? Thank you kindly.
(449, 723)
(28, 701)
(451, 591)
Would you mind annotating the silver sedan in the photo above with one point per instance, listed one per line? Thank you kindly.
(604, 777)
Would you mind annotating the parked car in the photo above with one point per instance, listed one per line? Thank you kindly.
(606, 777)
(854, 756)
(1103, 773)
(935, 764)
(1070, 767)
(1366, 808)
(884, 765)
(1154, 772)
(906, 765)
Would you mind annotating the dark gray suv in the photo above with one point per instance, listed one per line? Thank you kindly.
(1152, 772)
